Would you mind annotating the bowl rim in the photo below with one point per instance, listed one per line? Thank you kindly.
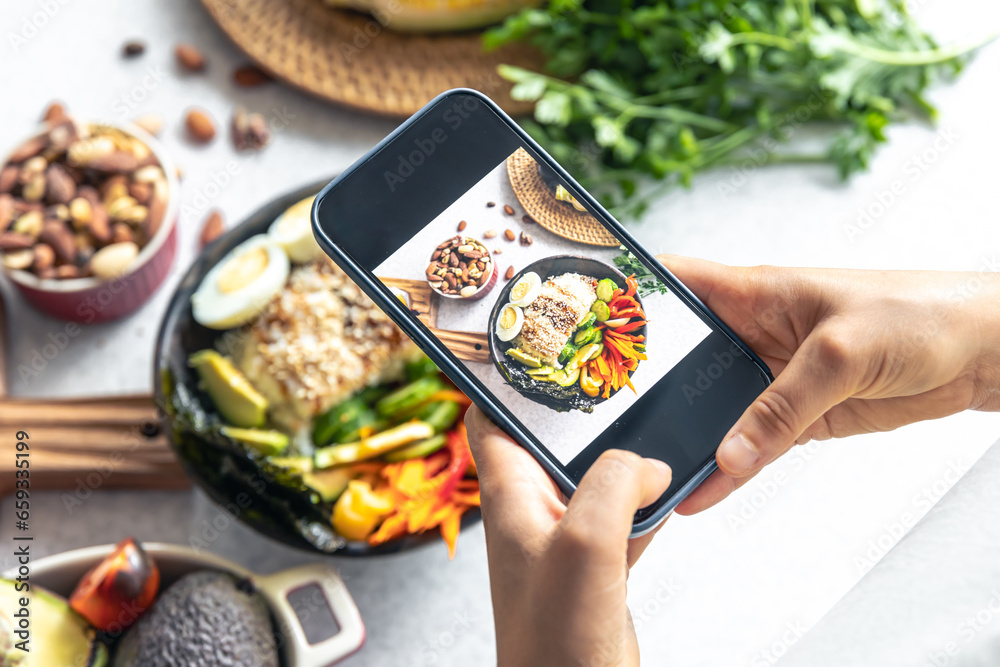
(148, 251)
(493, 339)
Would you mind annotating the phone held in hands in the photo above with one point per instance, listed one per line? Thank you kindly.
(534, 300)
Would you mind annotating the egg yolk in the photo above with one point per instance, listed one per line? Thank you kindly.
(508, 318)
(240, 271)
(519, 290)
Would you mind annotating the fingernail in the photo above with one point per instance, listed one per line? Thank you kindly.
(736, 455)
(661, 468)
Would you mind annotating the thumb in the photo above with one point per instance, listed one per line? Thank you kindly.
(818, 377)
(617, 485)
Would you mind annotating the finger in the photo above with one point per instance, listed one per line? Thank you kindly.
(617, 485)
(819, 376)
(709, 493)
(754, 301)
(873, 415)
(519, 500)
(637, 545)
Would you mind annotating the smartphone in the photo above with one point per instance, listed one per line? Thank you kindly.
(536, 303)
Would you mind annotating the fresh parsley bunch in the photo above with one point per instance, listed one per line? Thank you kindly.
(657, 90)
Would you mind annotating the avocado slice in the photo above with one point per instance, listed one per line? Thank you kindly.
(238, 401)
(205, 619)
(539, 372)
(59, 636)
(329, 484)
(566, 377)
(264, 442)
(295, 464)
(520, 355)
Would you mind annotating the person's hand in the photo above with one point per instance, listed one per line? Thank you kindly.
(558, 571)
(852, 352)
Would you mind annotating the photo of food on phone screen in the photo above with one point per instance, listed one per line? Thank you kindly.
(542, 304)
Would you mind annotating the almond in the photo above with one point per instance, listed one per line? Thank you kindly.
(54, 113)
(250, 75)
(28, 149)
(45, 257)
(509, 210)
(462, 225)
(60, 188)
(510, 273)
(190, 57)
(8, 178)
(212, 228)
(509, 234)
(62, 240)
(15, 241)
(6, 211)
(200, 126)
(116, 162)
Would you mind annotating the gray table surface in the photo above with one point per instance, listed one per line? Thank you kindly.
(732, 586)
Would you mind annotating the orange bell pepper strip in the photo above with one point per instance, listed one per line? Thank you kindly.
(449, 530)
(633, 285)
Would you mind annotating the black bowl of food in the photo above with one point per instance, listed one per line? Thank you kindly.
(295, 403)
(568, 332)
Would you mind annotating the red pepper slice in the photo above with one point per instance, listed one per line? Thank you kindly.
(458, 447)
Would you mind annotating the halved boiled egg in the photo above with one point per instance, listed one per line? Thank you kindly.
(526, 289)
(292, 230)
(239, 287)
(510, 322)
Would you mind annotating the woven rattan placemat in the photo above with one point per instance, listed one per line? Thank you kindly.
(540, 202)
(349, 58)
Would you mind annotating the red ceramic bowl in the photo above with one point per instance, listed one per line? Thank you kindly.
(90, 300)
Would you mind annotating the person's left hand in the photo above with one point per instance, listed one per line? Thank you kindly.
(557, 570)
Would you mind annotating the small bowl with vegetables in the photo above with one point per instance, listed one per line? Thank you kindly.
(568, 332)
(290, 395)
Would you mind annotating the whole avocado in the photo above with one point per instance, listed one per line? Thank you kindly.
(206, 619)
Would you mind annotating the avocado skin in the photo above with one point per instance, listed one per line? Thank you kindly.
(203, 620)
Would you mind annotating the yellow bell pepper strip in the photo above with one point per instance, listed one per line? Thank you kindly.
(590, 384)
(376, 445)
(359, 510)
(450, 395)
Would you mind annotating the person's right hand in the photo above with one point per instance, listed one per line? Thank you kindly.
(852, 352)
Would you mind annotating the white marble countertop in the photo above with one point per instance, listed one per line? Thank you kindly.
(734, 586)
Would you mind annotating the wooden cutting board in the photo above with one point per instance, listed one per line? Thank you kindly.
(466, 345)
(81, 445)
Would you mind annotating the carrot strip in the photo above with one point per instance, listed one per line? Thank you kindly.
(631, 326)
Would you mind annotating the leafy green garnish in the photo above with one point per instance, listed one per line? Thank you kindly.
(641, 91)
(629, 264)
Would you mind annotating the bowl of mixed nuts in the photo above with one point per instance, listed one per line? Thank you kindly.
(88, 217)
(461, 268)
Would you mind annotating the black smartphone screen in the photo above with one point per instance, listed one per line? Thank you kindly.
(582, 340)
